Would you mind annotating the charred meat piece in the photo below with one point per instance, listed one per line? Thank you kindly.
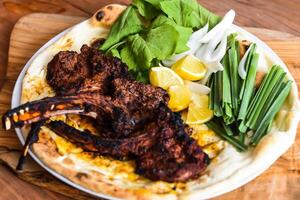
(123, 148)
(141, 103)
(132, 118)
(173, 161)
(91, 70)
(67, 71)
(175, 157)
(32, 138)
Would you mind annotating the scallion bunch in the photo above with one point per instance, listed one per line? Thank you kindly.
(240, 107)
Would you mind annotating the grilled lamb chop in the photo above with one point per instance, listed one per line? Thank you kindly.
(123, 148)
(163, 150)
(132, 118)
(122, 113)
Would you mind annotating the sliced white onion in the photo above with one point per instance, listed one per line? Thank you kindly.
(198, 35)
(193, 44)
(161, 65)
(220, 50)
(220, 27)
(241, 69)
(168, 63)
(209, 47)
(197, 88)
(212, 67)
(215, 41)
(202, 52)
(211, 52)
(263, 61)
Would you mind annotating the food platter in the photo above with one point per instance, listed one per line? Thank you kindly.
(205, 193)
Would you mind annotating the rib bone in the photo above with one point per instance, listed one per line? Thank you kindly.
(39, 110)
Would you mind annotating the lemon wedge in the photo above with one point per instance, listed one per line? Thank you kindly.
(164, 77)
(200, 100)
(180, 97)
(184, 116)
(190, 68)
(199, 112)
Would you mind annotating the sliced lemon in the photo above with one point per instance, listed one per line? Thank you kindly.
(180, 97)
(200, 100)
(198, 112)
(164, 77)
(184, 116)
(190, 68)
(198, 115)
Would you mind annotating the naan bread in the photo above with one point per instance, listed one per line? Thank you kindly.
(105, 176)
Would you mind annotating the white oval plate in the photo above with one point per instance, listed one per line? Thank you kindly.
(273, 56)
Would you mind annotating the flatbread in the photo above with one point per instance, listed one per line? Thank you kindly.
(103, 175)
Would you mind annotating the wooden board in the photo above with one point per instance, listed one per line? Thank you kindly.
(281, 181)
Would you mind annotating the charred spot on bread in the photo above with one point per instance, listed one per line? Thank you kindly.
(99, 15)
(107, 15)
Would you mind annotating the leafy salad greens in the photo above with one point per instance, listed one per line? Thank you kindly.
(149, 31)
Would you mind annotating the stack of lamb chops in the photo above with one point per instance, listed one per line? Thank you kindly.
(132, 118)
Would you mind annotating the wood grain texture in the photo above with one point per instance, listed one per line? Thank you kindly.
(25, 190)
(273, 184)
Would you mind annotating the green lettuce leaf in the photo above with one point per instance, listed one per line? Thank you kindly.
(188, 13)
(141, 51)
(184, 36)
(207, 17)
(184, 32)
(154, 3)
(182, 13)
(146, 9)
(127, 24)
(115, 53)
(137, 54)
(162, 41)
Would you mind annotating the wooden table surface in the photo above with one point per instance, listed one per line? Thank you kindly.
(279, 15)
